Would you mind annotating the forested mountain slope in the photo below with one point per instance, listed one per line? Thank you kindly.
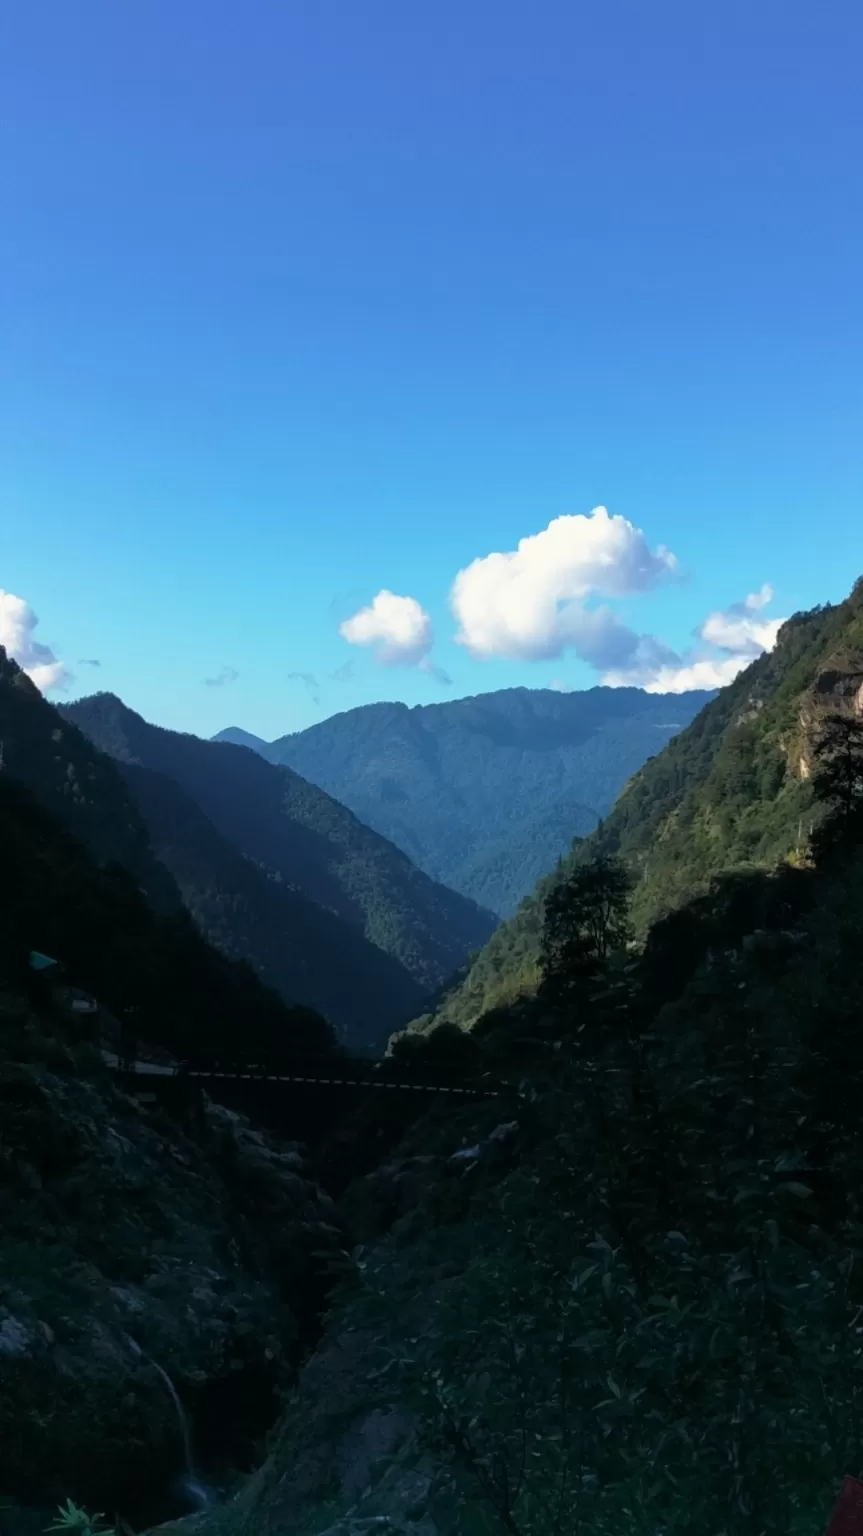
(249, 913)
(73, 852)
(125, 1240)
(626, 1301)
(79, 785)
(485, 793)
(729, 792)
(349, 910)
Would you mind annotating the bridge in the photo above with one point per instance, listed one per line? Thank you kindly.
(388, 1075)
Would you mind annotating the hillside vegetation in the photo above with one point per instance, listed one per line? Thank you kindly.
(622, 1297)
(130, 1244)
(485, 793)
(250, 914)
(277, 871)
(631, 1304)
(79, 786)
(178, 991)
(730, 792)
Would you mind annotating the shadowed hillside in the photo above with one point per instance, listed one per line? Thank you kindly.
(627, 1302)
(278, 871)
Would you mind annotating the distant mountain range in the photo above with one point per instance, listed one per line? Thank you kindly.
(485, 793)
(276, 871)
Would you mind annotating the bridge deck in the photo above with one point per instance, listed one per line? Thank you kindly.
(338, 1076)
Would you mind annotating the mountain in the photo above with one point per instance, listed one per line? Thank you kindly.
(623, 1300)
(728, 793)
(275, 869)
(485, 793)
(76, 876)
(195, 1236)
(79, 786)
(239, 738)
(249, 912)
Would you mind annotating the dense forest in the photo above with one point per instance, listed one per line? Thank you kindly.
(638, 1309)
(729, 792)
(484, 793)
(153, 969)
(619, 1295)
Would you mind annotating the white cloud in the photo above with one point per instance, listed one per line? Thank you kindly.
(738, 628)
(529, 604)
(398, 627)
(736, 634)
(551, 595)
(17, 636)
(681, 675)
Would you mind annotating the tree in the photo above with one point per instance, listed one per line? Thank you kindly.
(586, 921)
(837, 782)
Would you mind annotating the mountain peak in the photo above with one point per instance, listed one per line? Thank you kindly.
(110, 723)
(486, 792)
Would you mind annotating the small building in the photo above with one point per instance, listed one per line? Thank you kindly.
(41, 963)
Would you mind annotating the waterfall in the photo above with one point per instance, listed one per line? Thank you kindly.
(193, 1488)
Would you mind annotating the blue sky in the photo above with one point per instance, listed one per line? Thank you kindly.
(300, 302)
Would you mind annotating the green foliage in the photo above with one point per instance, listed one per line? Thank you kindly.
(445, 1046)
(837, 783)
(248, 912)
(653, 1321)
(586, 921)
(726, 794)
(76, 1521)
(184, 995)
(485, 793)
(77, 785)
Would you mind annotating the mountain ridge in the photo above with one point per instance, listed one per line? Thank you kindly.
(728, 793)
(485, 793)
(397, 935)
(78, 876)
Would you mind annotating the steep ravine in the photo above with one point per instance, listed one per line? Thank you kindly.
(164, 1274)
(347, 1455)
(133, 1244)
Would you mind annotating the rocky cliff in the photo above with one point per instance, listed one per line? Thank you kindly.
(132, 1246)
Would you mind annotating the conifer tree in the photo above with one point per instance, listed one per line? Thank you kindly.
(586, 921)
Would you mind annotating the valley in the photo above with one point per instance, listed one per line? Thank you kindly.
(485, 793)
(269, 1267)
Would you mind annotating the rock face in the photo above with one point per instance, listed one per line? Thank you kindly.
(128, 1249)
(836, 690)
(349, 1458)
(347, 1470)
